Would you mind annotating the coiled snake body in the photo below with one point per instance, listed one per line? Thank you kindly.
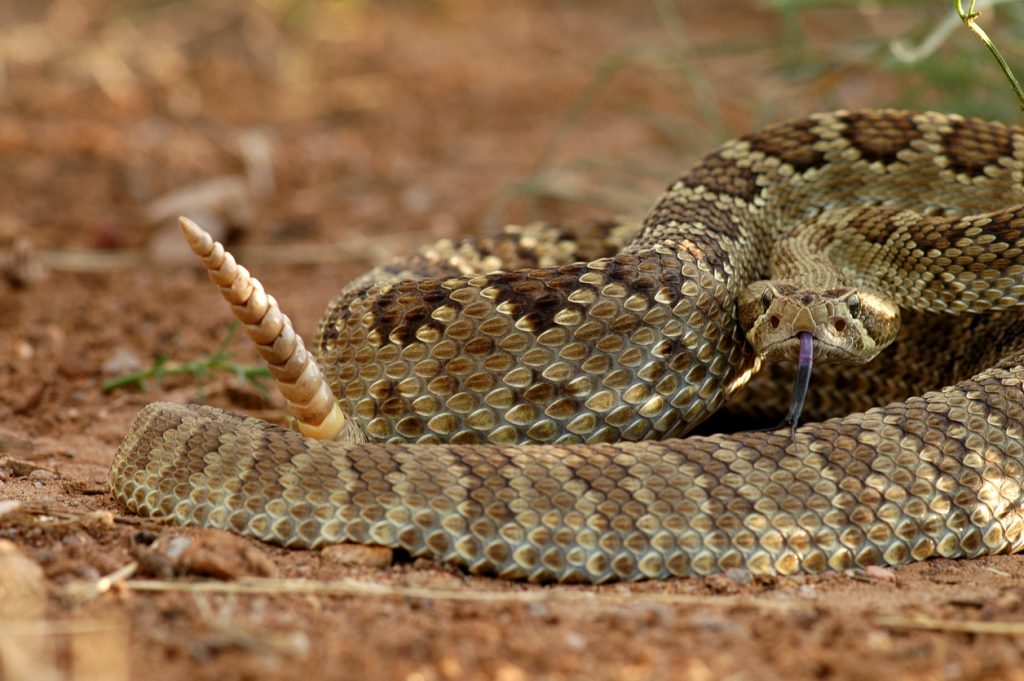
(867, 226)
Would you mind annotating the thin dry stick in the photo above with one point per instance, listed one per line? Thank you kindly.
(967, 627)
(59, 627)
(87, 590)
(348, 587)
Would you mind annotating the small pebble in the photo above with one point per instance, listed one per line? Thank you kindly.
(740, 576)
(575, 641)
(881, 574)
(23, 350)
(123, 361)
(450, 667)
(358, 554)
(539, 610)
(176, 547)
(509, 672)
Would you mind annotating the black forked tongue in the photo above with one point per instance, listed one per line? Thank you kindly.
(803, 381)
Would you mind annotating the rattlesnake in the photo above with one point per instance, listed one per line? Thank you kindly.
(896, 224)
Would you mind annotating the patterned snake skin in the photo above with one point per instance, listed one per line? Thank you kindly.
(603, 351)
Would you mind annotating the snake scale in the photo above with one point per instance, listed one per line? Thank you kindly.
(517, 405)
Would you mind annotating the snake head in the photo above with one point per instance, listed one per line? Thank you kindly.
(849, 325)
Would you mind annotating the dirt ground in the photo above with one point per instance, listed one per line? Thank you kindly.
(316, 138)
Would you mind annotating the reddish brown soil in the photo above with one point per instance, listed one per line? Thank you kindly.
(318, 138)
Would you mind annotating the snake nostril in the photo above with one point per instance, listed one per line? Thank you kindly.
(840, 325)
(774, 321)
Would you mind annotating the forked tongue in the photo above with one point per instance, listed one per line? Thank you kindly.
(804, 362)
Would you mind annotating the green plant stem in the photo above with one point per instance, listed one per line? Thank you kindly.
(969, 18)
(220, 360)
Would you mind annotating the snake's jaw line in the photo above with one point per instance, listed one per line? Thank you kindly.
(299, 379)
(742, 378)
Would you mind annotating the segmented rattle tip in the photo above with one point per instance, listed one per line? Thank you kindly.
(299, 379)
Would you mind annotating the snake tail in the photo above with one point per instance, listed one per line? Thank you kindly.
(299, 379)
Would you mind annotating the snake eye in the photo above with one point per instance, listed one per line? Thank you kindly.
(853, 305)
(766, 298)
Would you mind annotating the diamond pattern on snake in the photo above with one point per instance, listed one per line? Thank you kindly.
(522, 405)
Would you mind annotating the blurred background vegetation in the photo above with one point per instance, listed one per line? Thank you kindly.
(360, 121)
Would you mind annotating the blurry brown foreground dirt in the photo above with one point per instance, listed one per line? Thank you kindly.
(317, 138)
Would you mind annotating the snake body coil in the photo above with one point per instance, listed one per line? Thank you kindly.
(905, 228)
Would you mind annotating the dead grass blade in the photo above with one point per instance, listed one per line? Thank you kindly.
(955, 626)
(351, 587)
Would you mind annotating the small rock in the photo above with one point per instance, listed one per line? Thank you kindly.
(539, 610)
(358, 554)
(19, 265)
(880, 640)
(40, 474)
(177, 546)
(220, 554)
(881, 574)
(450, 667)
(123, 361)
(416, 200)
(740, 576)
(23, 350)
(225, 197)
(87, 572)
(152, 563)
(212, 553)
(509, 672)
(721, 584)
(575, 641)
